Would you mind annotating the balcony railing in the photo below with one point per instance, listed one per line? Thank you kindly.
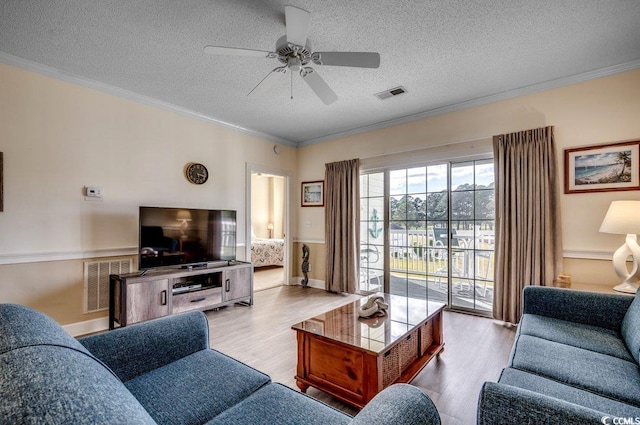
(426, 251)
(422, 256)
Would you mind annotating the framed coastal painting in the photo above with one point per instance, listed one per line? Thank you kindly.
(602, 168)
(313, 194)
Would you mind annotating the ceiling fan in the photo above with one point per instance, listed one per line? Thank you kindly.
(294, 51)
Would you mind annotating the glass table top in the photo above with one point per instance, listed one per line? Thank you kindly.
(374, 334)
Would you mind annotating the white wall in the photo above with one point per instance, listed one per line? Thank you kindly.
(58, 137)
(599, 111)
(267, 205)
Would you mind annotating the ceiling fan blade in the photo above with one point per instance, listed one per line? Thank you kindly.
(235, 51)
(268, 81)
(354, 59)
(318, 85)
(297, 21)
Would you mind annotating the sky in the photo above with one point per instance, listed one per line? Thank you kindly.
(596, 160)
(436, 177)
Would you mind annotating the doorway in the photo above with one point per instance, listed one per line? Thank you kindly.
(268, 223)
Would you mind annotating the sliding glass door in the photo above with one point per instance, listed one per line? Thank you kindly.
(472, 235)
(418, 205)
(427, 232)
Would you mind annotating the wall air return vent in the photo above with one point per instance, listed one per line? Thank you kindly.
(391, 93)
(96, 282)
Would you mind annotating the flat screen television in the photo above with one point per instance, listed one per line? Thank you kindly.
(185, 236)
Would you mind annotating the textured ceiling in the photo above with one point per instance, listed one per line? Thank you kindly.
(443, 52)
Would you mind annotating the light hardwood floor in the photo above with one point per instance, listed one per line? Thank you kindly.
(476, 348)
(267, 277)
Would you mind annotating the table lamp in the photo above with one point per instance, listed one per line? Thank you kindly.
(623, 218)
(184, 217)
(270, 229)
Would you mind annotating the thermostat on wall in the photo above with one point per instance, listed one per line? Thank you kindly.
(93, 193)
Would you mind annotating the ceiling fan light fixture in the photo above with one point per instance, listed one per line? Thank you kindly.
(294, 64)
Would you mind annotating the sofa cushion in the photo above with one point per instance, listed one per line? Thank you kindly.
(395, 404)
(196, 388)
(150, 345)
(606, 375)
(277, 404)
(594, 338)
(46, 376)
(631, 328)
(509, 405)
(588, 308)
(58, 385)
(25, 327)
(552, 388)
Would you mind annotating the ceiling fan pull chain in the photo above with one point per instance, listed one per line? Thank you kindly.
(291, 85)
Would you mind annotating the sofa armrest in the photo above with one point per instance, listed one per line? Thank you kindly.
(591, 308)
(399, 404)
(137, 349)
(506, 405)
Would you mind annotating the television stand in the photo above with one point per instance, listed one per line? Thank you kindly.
(154, 293)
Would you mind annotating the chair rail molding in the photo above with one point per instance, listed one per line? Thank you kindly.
(303, 240)
(587, 254)
(41, 257)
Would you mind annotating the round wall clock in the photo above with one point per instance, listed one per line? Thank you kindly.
(196, 173)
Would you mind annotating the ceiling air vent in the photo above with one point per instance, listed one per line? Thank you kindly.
(391, 92)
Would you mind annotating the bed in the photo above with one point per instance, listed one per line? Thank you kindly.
(267, 252)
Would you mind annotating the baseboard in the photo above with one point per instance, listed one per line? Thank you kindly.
(313, 283)
(87, 327)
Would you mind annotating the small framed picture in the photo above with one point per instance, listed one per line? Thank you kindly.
(602, 168)
(313, 194)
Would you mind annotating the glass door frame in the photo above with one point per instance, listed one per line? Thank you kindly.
(387, 219)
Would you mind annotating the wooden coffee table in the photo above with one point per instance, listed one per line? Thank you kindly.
(353, 358)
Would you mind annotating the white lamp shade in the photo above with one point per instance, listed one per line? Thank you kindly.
(270, 226)
(623, 217)
(184, 215)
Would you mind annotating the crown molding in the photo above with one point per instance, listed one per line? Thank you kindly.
(510, 94)
(58, 74)
(149, 101)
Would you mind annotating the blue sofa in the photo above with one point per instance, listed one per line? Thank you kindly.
(574, 361)
(158, 372)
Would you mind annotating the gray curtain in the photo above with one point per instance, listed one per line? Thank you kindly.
(528, 232)
(342, 225)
